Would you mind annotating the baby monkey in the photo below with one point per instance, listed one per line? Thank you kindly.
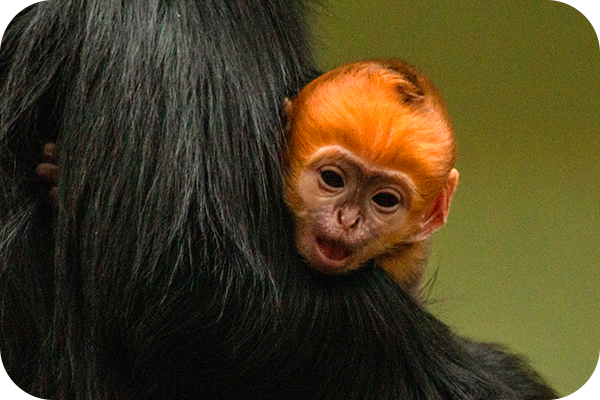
(370, 168)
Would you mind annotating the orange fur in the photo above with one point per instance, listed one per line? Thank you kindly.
(387, 114)
(361, 107)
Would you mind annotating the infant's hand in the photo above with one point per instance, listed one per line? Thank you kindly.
(48, 171)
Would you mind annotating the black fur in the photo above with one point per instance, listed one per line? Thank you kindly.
(169, 269)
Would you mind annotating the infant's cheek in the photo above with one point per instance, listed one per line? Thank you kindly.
(303, 242)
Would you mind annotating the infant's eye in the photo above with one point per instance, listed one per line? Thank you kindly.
(386, 200)
(332, 179)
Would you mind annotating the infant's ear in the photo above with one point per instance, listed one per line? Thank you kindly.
(437, 216)
(287, 107)
(287, 114)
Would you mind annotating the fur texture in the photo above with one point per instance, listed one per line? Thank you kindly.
(383, 111)
(381, 115)
(169, 269)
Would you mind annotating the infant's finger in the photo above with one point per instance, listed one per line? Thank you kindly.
(48, 172)
(50, 153)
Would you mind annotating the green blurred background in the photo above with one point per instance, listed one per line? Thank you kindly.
(519, 261)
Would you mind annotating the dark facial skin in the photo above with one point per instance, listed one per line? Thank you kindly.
(353, 210)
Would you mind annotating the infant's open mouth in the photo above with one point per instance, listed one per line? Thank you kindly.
(333, 250)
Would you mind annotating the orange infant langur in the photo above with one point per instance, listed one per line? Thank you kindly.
(370, 168)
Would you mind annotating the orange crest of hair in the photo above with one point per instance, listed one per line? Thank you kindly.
(383, 111)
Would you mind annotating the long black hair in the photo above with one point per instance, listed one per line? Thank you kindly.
(168, 268)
